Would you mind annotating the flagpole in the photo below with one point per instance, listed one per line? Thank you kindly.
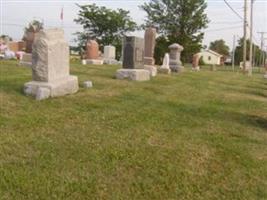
(62, 16)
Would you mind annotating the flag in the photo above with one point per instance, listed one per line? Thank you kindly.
(61, 14)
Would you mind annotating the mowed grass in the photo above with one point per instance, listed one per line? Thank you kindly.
(191, 136)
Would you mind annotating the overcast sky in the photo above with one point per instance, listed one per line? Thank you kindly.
(16, 14)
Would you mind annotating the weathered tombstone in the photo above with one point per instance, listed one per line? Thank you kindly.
(150, 42)
(109, 55)
(50, 66)
(133, 60)
(175, 57)
(195, 63)
(165, 68)
(92, 53)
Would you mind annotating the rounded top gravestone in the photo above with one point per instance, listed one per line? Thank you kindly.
(92, 49)
(109, 52)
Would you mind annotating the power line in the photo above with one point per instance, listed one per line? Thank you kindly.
(225, 28)
(237, 14)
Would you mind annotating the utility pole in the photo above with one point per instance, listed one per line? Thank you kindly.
(262, 61)
(245, 35)
(251, 38)
(233, 54)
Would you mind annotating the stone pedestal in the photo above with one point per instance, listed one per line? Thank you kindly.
(196, 69)
(133, 74)
(152, 70)
(59, 87)
(50, 66)
(175, 54)
(94, 62)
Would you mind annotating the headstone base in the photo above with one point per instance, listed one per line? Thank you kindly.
(265, 76)
(152, 70)
(177, 69)
(22, 63)
(43, 90)
(94, 62)
(133, 74)
(195, 69)
(111, 62)
(164, 70)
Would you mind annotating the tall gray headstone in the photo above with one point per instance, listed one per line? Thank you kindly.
(133, 53)
(50, 66)
(133, 60)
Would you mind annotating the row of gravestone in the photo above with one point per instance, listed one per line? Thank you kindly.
(50, 62)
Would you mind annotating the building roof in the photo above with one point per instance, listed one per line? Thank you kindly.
(212, 52)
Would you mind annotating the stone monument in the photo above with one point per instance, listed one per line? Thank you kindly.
(133, 60)
(92, 53)
(110, 55)
(150, 41)
(175, 57)
(165, 68)
(195, 63)
(50, 66)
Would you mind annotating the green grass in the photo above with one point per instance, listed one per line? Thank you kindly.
(192, 136)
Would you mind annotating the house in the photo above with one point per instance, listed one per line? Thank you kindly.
(211, 57)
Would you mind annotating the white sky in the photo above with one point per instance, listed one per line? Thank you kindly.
(16, 14)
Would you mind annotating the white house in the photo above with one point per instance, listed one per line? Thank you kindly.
(211, 57)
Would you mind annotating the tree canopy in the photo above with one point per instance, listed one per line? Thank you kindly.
(220, 47)
(178, 21)
(257, 52)
(105, 25)
(34, 26)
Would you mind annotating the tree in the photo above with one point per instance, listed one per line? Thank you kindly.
(105, 25)
(29, 33)
(34, 26)
(5, 38)
(179, 21)
(239, 53)
(220, 47)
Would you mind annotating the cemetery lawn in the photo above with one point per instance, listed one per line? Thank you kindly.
(194, 136)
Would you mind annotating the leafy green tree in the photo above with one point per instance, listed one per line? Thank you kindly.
(34, 26)
(105, 25)
(6, 38)
(160, 49)
(29, 33)
(179, 21)
(220, 47)
(239, 53)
